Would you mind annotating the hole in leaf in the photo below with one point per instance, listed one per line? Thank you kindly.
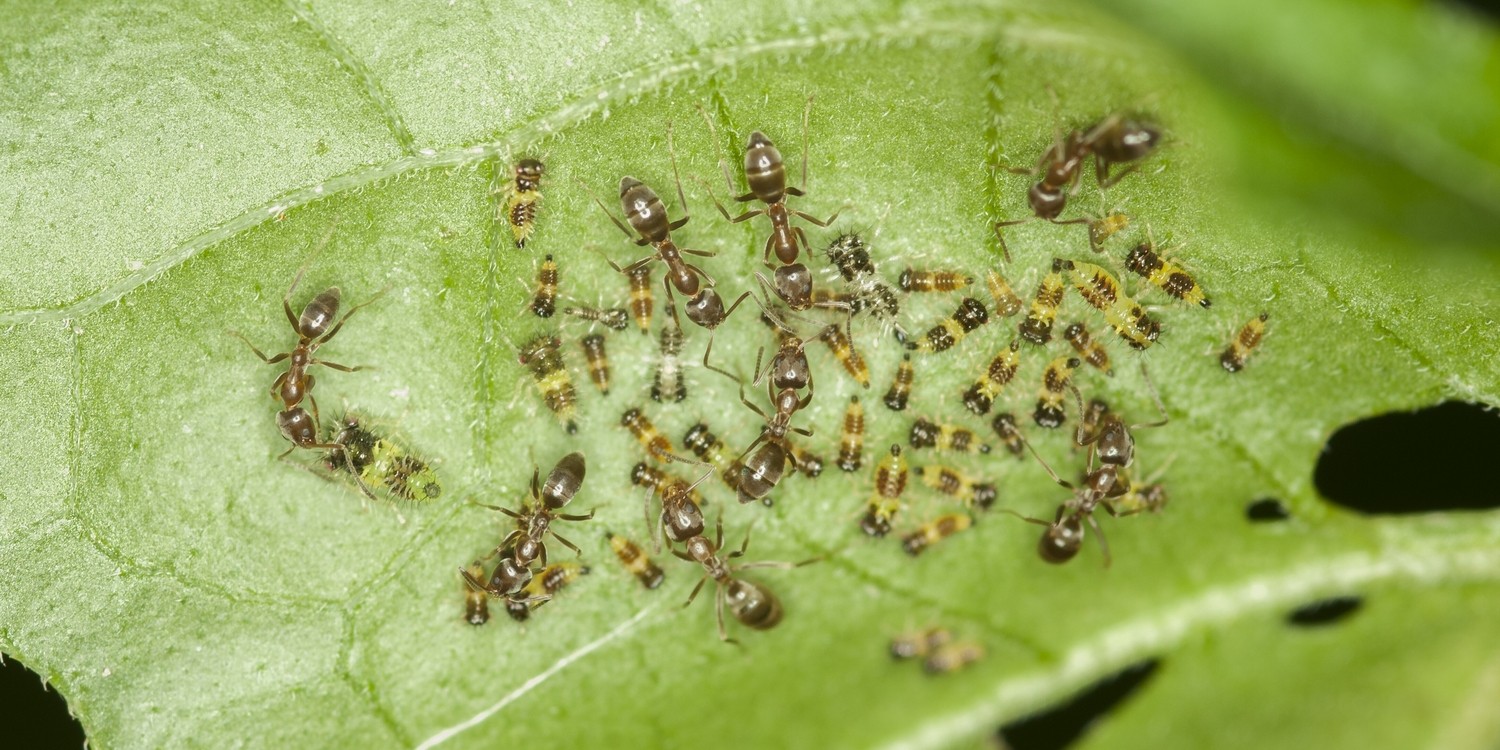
(1062, 725)
(1413, 462)
(1267, 509)
(1488, 8)
(33, 714)
(1325, 611)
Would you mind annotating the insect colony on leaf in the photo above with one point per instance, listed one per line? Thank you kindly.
(837, 309)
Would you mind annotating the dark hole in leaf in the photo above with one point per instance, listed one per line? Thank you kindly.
(32, 714)
(1267, 509)
(1324, 611)
(1062, 725)
(1488, 8)
(1413, 462)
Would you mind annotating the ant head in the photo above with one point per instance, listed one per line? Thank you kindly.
(1061, 541)
(794, 285)
(1047, 202)
(297, 426)
(706, 308)
(1115, 445)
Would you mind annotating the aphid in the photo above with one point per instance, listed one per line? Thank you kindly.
(919, 643)
(615, 318)
(852, 444)
(476, 603)
(945, 437)
(645, 475)
(525, 195)
(1166, 275)
(912, 280)
(543, 587)
(1006, 301)
(1004, 425)
(879, 299)
(635, 560)
(1090, 350)
(969, 316)
(544, 300)
(843, 350)
(669, 385)
(543, 356)
(885, 502)
(1243, 345)
(707, 446)
(804, 462)
(1037, 327)
(379, 461)
(1140, 497)
(934, 531)
(951, 657)
(1002, 369)
(955, 483)
(749, 602)
(899, 393)
(1055, 381)
(1101, 290)
(1104, 228)
(849, 254)
(527, 543)
(642, 302)
(765, 173)
(598, 358)
(314, 328)
(656, 444)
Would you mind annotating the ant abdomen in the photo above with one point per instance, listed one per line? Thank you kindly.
(752, 604)
(1061, 541)
(762, 472)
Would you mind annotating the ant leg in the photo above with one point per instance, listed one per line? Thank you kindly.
(506, 511)
(268, 360)
(700, 272)
(699, 253)
(563, 540)
(1045, 465)
(715, 368)
(639, 241)
(1101, 172)
(473, 582)
(1155, 397)
(1103, 543)
(701, 581)
(815, 220)
(576, 517)
(1004, 248)
(339, 367)
(327, 336)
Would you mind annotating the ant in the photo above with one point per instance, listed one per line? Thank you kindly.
(314, 328)
(764, 468)
(533, 524)
(765, 174)
(1116, 139)
(648, 218)
(749, 602)
(1114, 446)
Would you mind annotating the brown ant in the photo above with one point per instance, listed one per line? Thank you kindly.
(1116, 139)
(314, 328)
(764, 468)
(1114, 446)
(765, 174)
(526, 543)
(749, 602)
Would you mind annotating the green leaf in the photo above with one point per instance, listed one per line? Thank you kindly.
(169, 169)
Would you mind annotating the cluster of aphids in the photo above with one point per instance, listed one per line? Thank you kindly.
(798, 310)
(353, 449)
